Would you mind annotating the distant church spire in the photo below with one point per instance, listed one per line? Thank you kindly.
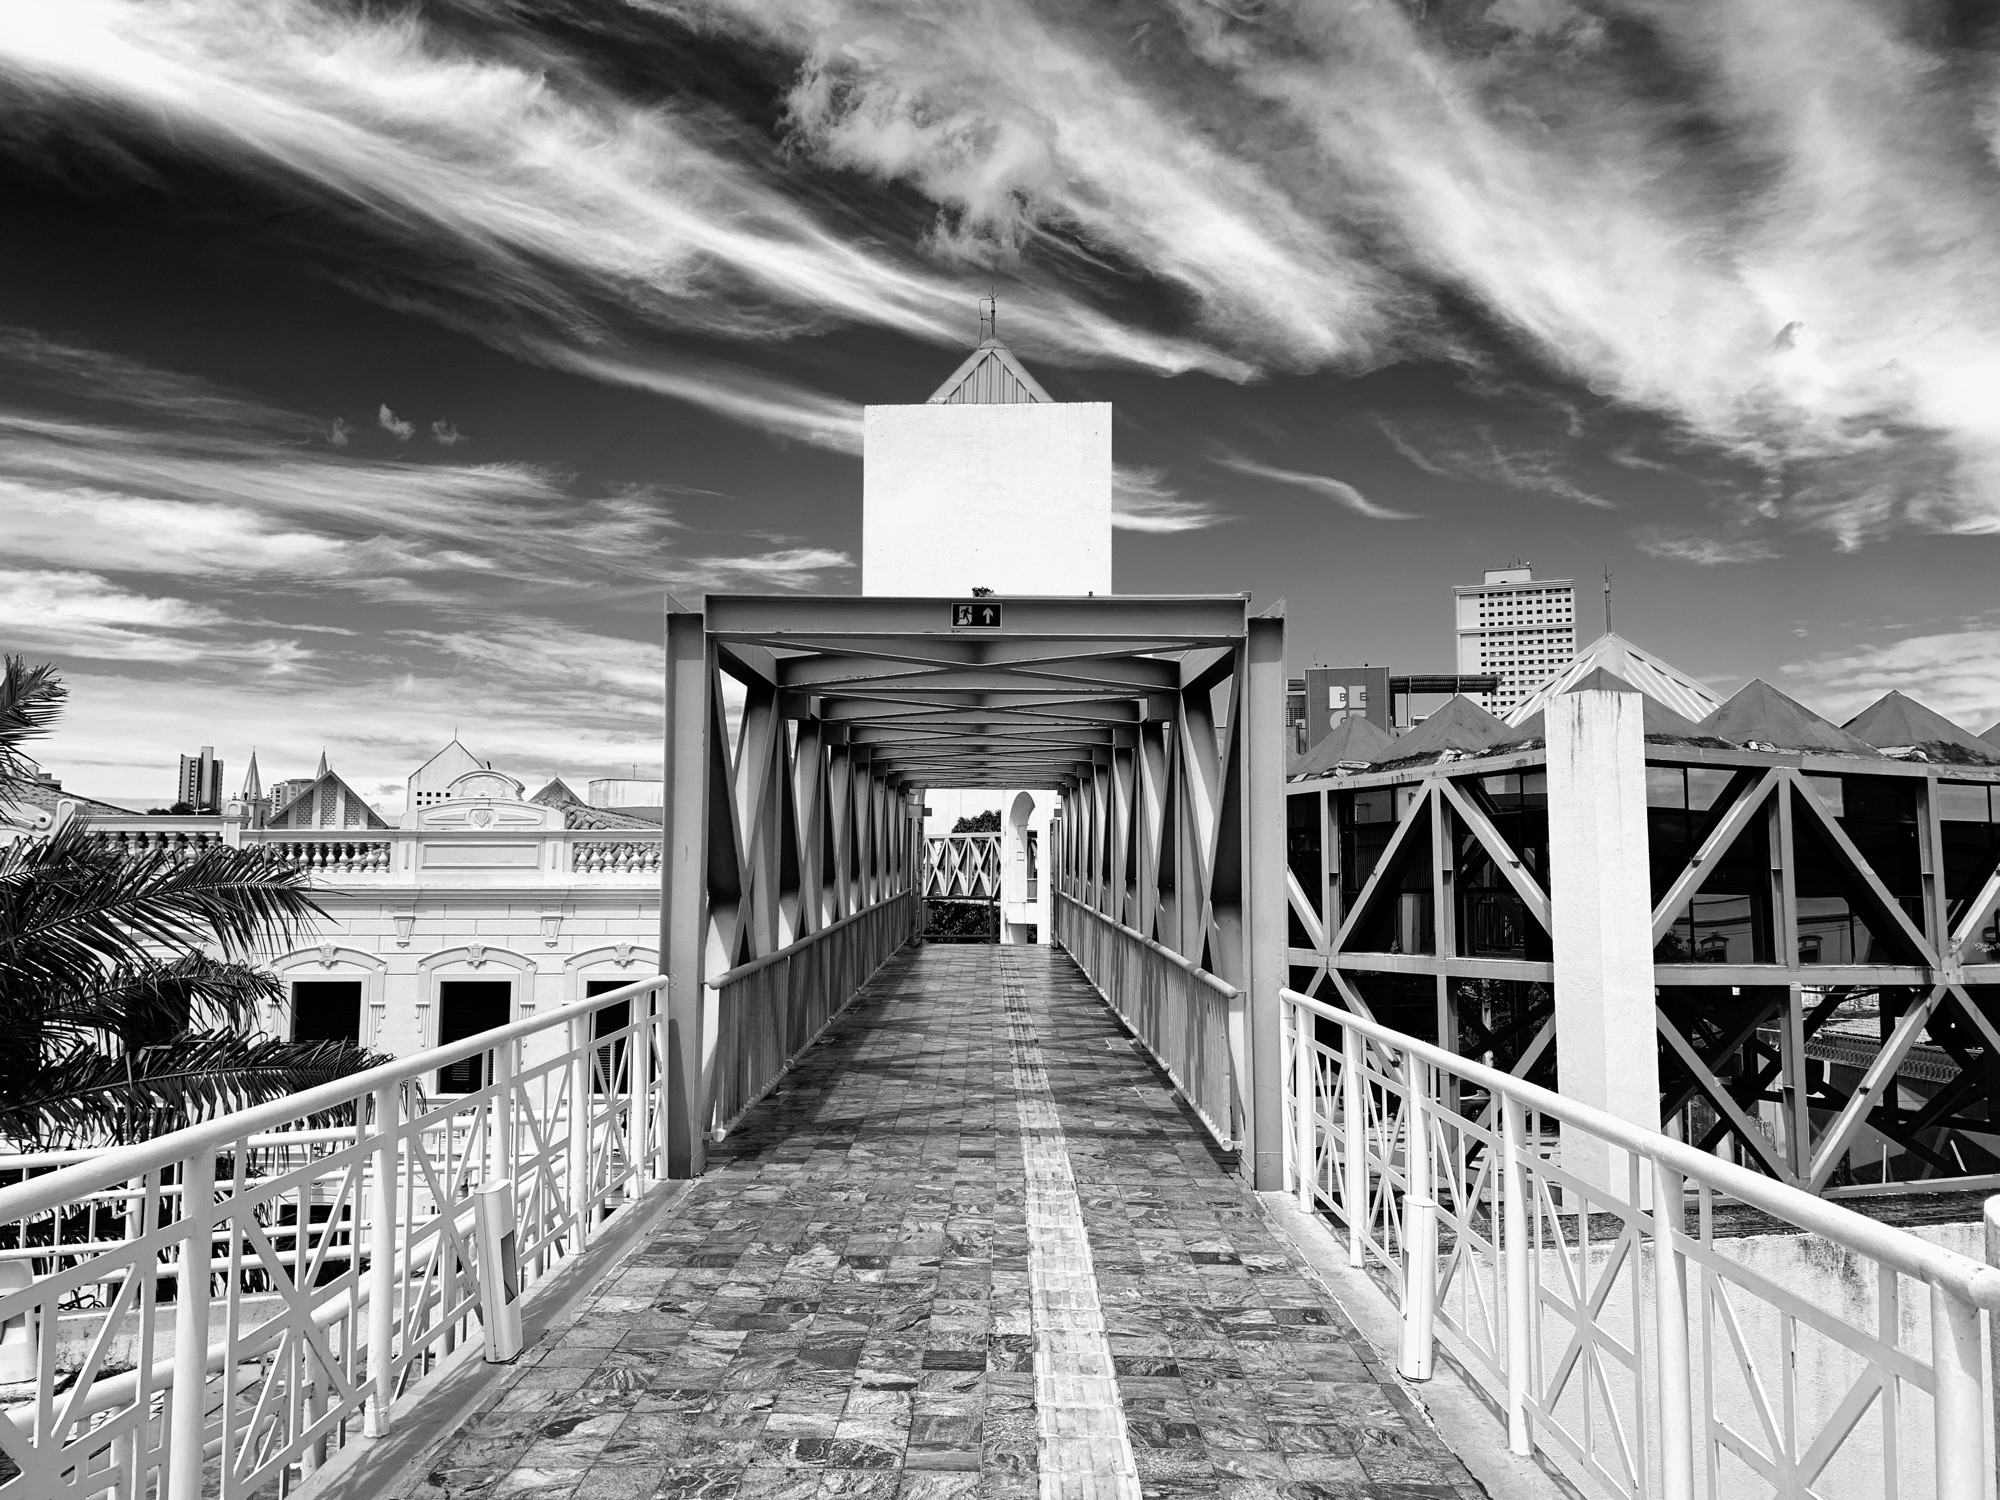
(253, 784)
(322, 766)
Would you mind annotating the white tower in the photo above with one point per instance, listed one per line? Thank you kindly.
(989, 484)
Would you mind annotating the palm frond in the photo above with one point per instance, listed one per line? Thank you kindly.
(31, 699)
(72, 908)
(86, 1097)
(154, 1001)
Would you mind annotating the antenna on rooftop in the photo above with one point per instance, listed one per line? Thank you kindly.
(1607, 600)
(989, 317)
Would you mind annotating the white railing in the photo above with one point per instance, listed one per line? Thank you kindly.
(773, 1008)
(1650, 1360)
(962, 866)
(1182, 1014)
(314, 1258)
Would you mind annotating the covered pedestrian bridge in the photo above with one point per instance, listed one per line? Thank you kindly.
(820, 1211)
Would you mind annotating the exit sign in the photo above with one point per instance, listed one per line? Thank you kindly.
(975, 614)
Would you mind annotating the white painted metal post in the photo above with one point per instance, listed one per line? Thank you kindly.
(382, 1264)
(1419, 1227)
(579, 1127)
(1354, 1139)
(1601, 928)
(1993, 1324)
(1305, 1136)
(657, 1094)
(1520, 1289)
(500, 1115)
(1674, 1365)
(1960, 1407)
(190, 1396)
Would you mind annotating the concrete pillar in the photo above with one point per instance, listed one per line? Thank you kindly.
(684, 892)
(1606, 1048)
(1263, 750)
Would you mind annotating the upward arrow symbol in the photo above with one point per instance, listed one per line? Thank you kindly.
(987, 615)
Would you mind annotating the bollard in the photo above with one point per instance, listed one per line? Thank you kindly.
(499, 1271)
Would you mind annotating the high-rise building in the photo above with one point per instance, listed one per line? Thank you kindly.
(201, 781)
(1516, 627)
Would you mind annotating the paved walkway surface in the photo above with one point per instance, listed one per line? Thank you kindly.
(975, 1247)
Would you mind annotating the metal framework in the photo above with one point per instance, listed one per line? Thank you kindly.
(962, 867)
(1828, 978)
(1159, 721)
(1637, 1347)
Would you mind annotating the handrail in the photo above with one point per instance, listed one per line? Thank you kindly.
(1221, 986)
(743, 971)
(1939, 1267)
(39, 1195)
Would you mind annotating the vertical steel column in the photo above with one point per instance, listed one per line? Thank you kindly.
(1305, 1124)
(582, 1059)
(190, 1393)
(1354, 1140)
(1960, 1406)
(684, 891)
(1420, 1231)
(1520, 1289)
(1261, 767)
(1674, 1363)
(382, 1262)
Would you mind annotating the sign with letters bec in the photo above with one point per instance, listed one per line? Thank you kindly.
(975, 614)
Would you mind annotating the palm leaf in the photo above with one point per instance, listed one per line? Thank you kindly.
(88, 1098)
(72, 908)
(154, 1001)
(31, 699)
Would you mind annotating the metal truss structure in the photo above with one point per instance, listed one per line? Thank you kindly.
(1159, 721)
(962, 867)
(1826, 966)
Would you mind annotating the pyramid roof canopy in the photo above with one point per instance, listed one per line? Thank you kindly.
(1352, 739)
(1659, 722)
(1638, 668)
(1894, 720)
(990, 376)
(1760, 713)
(1460, 725)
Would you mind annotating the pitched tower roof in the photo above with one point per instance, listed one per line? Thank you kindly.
(1894, 721)
(990, 376)
(1760, 714)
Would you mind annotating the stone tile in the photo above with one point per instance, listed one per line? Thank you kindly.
(864, 1295)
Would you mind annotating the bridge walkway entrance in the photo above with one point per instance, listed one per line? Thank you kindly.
(974, 1247)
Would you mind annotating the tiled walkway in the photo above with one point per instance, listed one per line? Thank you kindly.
(905, 1277)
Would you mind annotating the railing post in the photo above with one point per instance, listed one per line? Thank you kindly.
(1419, 1226)
(579, 1125)
(382, 1263)
(1514, 1249)
(1305, 1123)
(1960, 1405)
(1354, 1140)
(190, 1398)
(662, 1076)
(500, 1115)
(1670, 1309)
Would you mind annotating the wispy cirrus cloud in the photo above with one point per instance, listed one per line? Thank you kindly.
(1143, 499)
(1703, 551)
(1323, 485)
(1480, 454)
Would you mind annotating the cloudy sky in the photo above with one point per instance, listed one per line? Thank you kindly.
(370, 371)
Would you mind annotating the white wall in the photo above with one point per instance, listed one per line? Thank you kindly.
(1012, 498)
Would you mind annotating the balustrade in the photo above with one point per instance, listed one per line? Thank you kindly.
(615, 856)
(1549, 1246)
(343, 1259)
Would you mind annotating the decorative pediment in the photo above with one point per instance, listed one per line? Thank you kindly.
(470, 816)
